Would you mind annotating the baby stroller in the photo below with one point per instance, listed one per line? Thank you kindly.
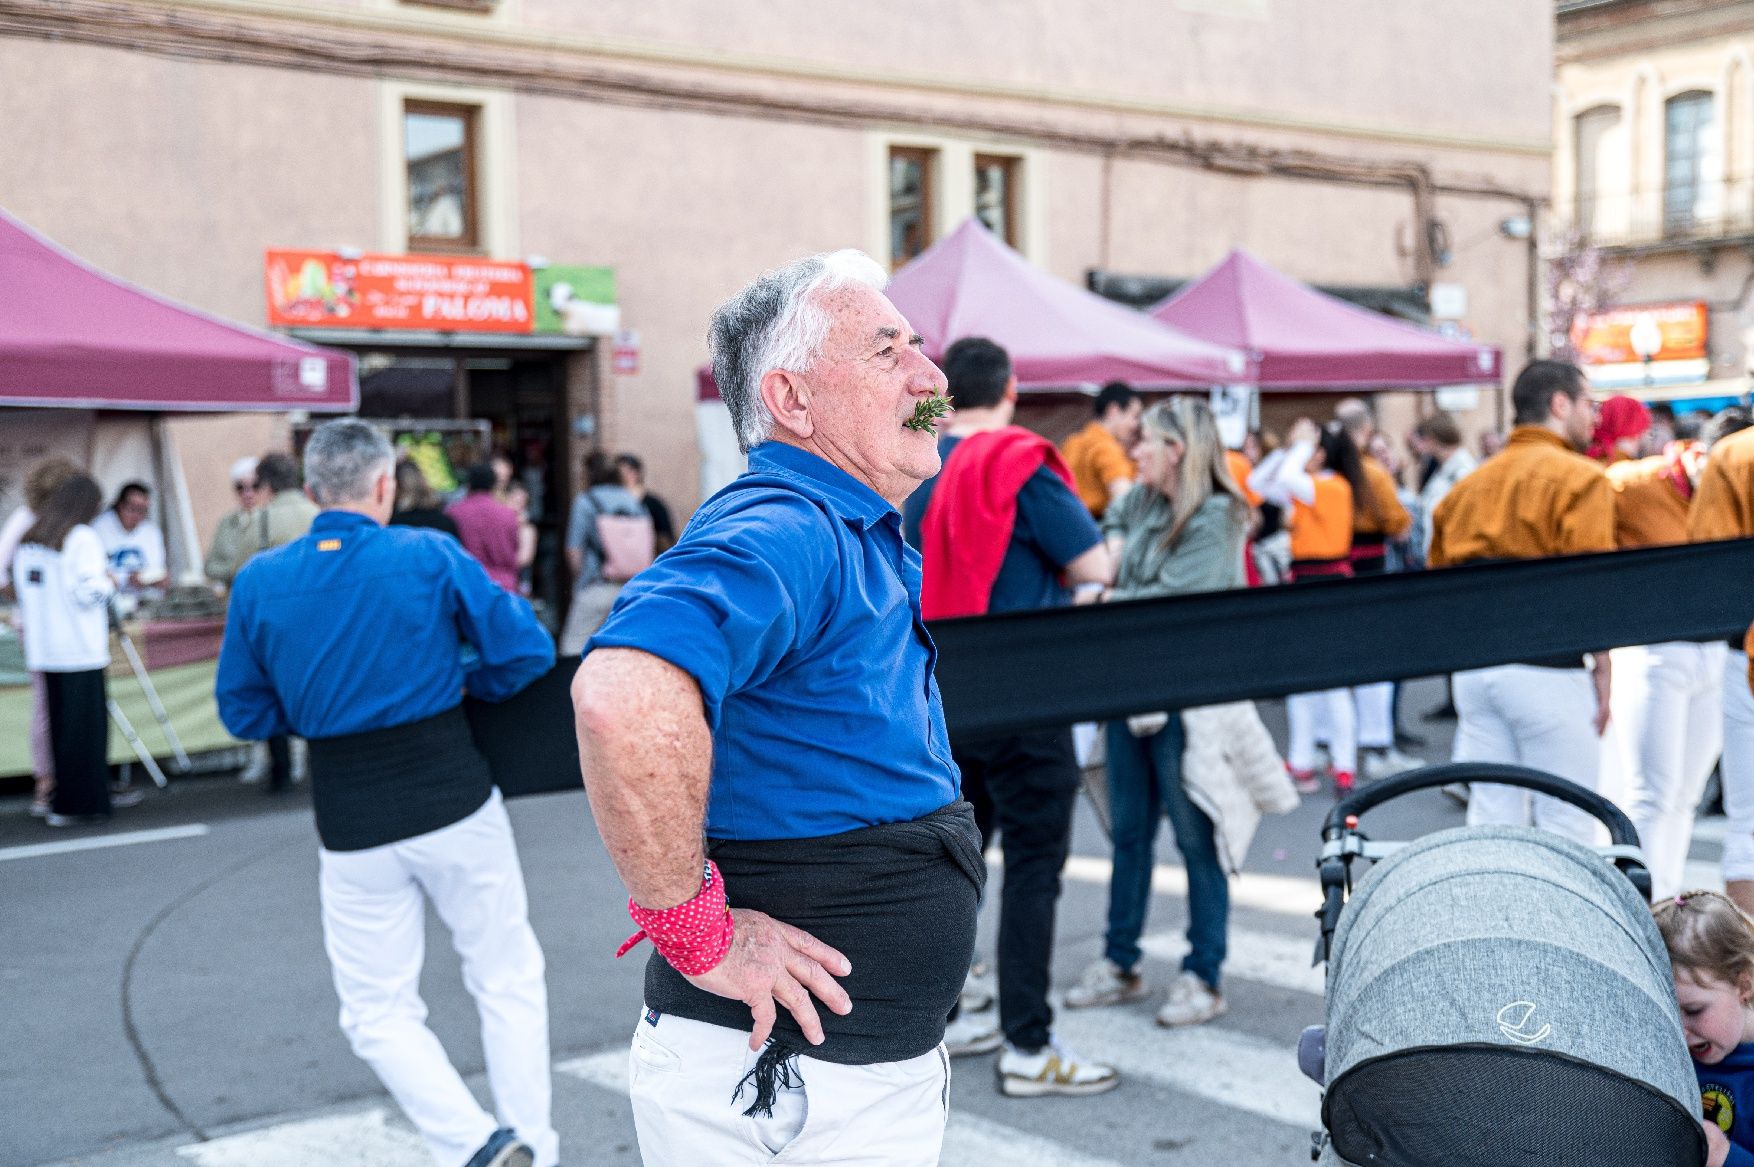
(1496, 996)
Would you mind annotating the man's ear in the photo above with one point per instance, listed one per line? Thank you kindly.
(788, 399)
(1011, 390)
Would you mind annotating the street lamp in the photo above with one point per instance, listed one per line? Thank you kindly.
(1646, 338)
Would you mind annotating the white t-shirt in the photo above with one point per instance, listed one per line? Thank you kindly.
(64, 597)
(11, 535)
(138, 553)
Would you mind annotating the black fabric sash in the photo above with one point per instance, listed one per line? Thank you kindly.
(1020, 671)
(899, 900)
(386, 785)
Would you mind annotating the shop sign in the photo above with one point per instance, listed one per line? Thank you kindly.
(1639, 332)
(429, 293)
(624, 357)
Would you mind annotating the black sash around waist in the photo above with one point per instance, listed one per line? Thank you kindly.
(385, 785)
(900, 900)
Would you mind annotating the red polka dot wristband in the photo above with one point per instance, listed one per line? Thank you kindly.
(694, 935)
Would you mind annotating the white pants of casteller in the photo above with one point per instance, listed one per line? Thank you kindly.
(1329, 714)
(1738, 768)
(683, 1073)
(1540, 718)
(1662, 741)
(374, 927)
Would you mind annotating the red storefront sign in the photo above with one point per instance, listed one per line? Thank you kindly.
(437, 293)
(1674, 331)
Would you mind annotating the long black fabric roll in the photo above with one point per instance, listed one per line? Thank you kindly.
(1025, 670)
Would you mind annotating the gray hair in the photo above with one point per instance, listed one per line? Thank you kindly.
(343, 459)
(777, 322)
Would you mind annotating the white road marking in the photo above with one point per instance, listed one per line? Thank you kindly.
(1282, 894)
(366, 1139)
(1268, 958)
(607, 1069)
(1710, 830)
(99, 842)
(1243, 1073)
(973, 1141)
(1702, 876)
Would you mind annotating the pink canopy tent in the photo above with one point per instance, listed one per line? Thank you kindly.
(1305, 339)
(73, 337)
(1059, 335)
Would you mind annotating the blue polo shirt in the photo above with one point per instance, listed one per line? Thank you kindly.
(357, 627)
(794, 604)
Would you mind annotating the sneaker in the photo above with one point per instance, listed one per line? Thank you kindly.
(503, 1148)
(1191, 1002)
(1052, 1069)
(1106, 983)
(976, 995)
(39, 810)
(1344, 782)
(74, 820)
(967, 1036)
(256, 770)
(123, 799)
(1305, 780)
(1386, 763)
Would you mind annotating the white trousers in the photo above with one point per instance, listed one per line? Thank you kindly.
(374, 927)
(1376, 714)
(1330, 714)
(1663, 739)
(1534, 717)
(1738, 768)
(683, 1074)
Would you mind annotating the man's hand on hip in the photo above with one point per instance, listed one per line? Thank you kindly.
(771, 964)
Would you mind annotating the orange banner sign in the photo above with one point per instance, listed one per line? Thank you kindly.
(1641, 332)
(435, 293)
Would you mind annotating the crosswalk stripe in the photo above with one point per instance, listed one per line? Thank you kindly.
(100, 842)
(363, 1139)
(969, 1140)
(1710, 830)
(1234, 1069)
(1280, 894)
(1264, 957)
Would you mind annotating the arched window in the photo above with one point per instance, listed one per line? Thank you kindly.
(1592, 127)
(1692, 168)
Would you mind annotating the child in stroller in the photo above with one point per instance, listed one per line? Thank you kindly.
(1711, 948)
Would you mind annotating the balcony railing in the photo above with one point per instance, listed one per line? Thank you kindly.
(1697, 214)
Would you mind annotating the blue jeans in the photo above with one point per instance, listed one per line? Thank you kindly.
(1144, 783)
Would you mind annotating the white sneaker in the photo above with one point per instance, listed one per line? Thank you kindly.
(300, 757)
(1191, 1002)
(1106, 983)
(1052, 1069)
(1386, 763)
(257, 767)
(970, 1035)
(977, 993)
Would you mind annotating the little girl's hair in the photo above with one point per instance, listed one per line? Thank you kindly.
(1707, 936)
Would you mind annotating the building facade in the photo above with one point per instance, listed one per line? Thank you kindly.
(1654, 172)
(1395, 145)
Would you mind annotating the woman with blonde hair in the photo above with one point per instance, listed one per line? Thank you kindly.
(1180, 529)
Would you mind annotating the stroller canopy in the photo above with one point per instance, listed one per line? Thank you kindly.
(1500, 996)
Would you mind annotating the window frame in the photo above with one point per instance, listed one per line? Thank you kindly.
(1013, 168)
(471, 240)
(1679, 220)
(927, 157)
(1590, 125)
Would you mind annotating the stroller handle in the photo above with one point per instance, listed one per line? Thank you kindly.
(1620, 829)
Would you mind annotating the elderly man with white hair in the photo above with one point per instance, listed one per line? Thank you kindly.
(363, 639)
(766, 757)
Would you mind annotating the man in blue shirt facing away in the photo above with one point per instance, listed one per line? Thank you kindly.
(767, 684)
(363, 638)
(1003, 531)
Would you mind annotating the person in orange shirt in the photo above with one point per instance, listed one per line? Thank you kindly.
(1102, 471)
(1668, 702)
(1378, 519)
(1315, 481)
(1723, 508)
(1538, 497)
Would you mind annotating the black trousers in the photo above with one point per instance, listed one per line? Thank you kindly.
(79, 737)
(1031, 784)
(280, 762)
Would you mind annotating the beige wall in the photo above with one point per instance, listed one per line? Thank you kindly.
(178, 173)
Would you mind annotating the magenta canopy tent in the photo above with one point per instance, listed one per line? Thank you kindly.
(74, 337)
(1059, 335)
(1302, 338)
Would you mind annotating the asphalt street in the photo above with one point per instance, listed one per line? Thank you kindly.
(168, 1001)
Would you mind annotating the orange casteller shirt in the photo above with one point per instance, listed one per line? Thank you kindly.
(1723, 506)
(1324, 530)
(1650, 508)
(1535, 498)
(1395, 521)
(1097, 462)
(1240, 469)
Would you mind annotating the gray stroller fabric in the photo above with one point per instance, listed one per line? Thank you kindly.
(1500, 996)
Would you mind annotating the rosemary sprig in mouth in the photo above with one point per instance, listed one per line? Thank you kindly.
(928, 411)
